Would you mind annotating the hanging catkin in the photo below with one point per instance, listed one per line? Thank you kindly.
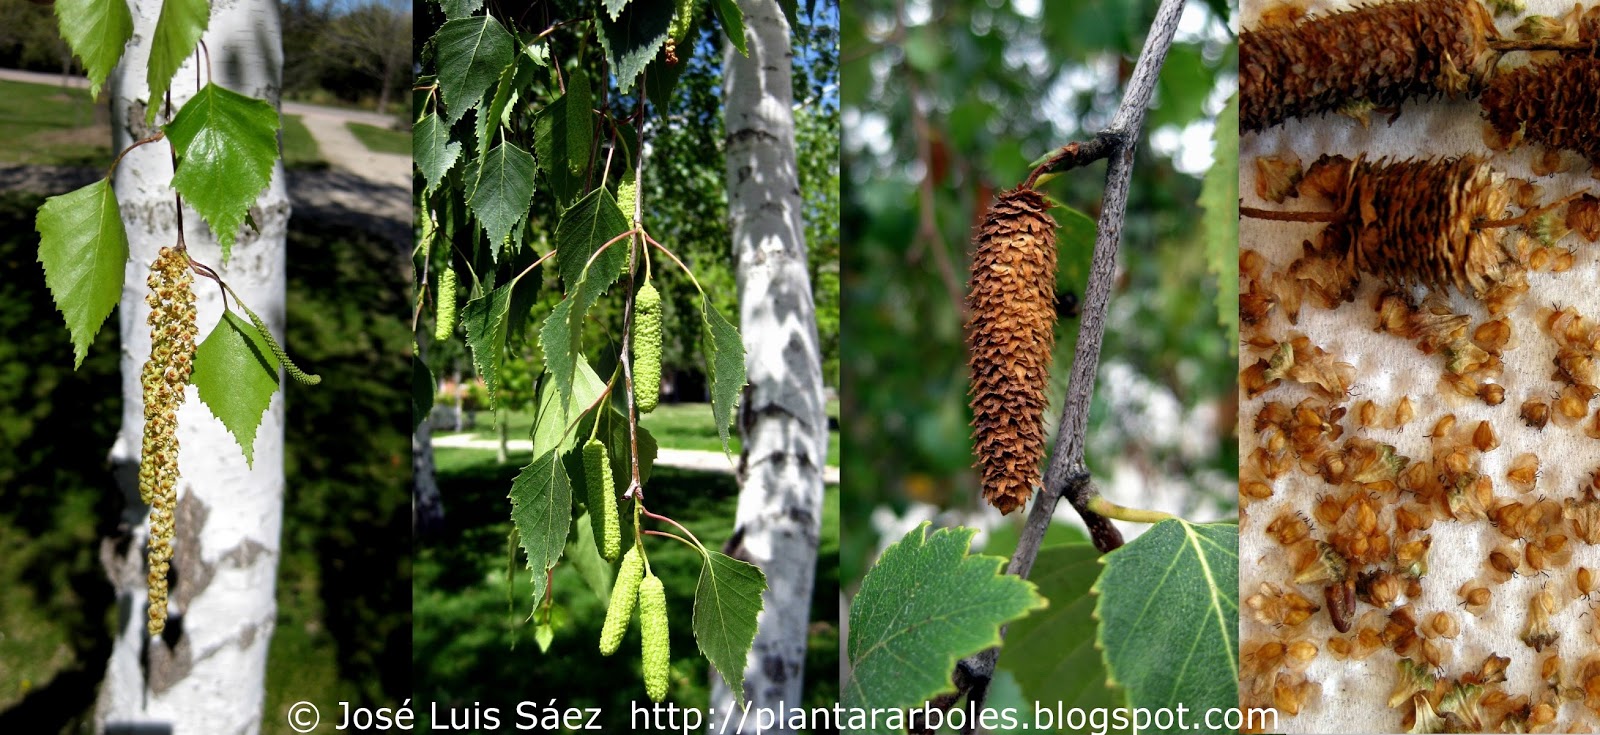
(602, 499)
(624, 597)
(1417, 222)
(1555, 104)
(1380, 55)
(1010, 335)
(647, 348)
(172, 344)
(655, 643)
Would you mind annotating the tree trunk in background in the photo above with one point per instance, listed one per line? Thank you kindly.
(782, 419)
(207, 673)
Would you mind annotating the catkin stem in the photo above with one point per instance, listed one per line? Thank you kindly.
(1278, 216)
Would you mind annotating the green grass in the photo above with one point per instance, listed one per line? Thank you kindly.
(382, 140)
(43, 124)
(674, 425)
(299, 148)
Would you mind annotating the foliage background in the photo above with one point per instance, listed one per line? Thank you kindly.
(944, 105)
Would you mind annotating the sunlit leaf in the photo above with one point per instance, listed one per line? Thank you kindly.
(236, 374)
(726, 604)
(83, 249)
(178, 31)
(97, 31)
(227, 144)
(541, 510)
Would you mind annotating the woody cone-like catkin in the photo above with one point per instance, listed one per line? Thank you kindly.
(1555, 105)
(1416, 222)
(1010, 336)
(1381, 55)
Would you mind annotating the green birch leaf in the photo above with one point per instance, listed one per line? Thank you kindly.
(1219, 197)
(925, 605)
(732, 20)
(580, 122)
(471, 52)
(554, 415)
(227, 144)
(178, 30)
(454, 9)
(485, 320)
(544, 635)
(561, 142)
(1169, 616)
(83, 249)
(97, 31)
(633, 38)
(614, 7)
(236, 374)
(726, 604)
(724, 354)
(541, 510)
(586, 272)
(422, 391)
(584, 554)
(503, 193)
(433, 149)
(516, 76)
(1052, 653)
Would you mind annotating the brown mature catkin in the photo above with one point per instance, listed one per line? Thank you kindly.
(1010, 334)
(1417, 222)
(1555, 104)
(172, 344)
(1380, 55)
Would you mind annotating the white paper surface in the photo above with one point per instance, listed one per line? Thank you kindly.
(1354, 694)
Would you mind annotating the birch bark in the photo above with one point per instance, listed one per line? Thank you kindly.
(206, 674)
(782, 419)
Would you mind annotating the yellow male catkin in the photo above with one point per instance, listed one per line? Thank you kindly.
(1010, 336)
(657, 651)
(602, 498)
(445, 324)
(647, 348)
(624, 595)
(172, 344)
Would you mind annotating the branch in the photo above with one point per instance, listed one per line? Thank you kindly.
(1067, 477)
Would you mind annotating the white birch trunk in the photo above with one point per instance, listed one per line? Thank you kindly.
(782, 419)
(206, 675)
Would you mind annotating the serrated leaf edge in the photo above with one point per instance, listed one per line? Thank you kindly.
(1191, 538)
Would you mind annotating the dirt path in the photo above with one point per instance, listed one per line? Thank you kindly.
(342, 149)
(697, 460)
